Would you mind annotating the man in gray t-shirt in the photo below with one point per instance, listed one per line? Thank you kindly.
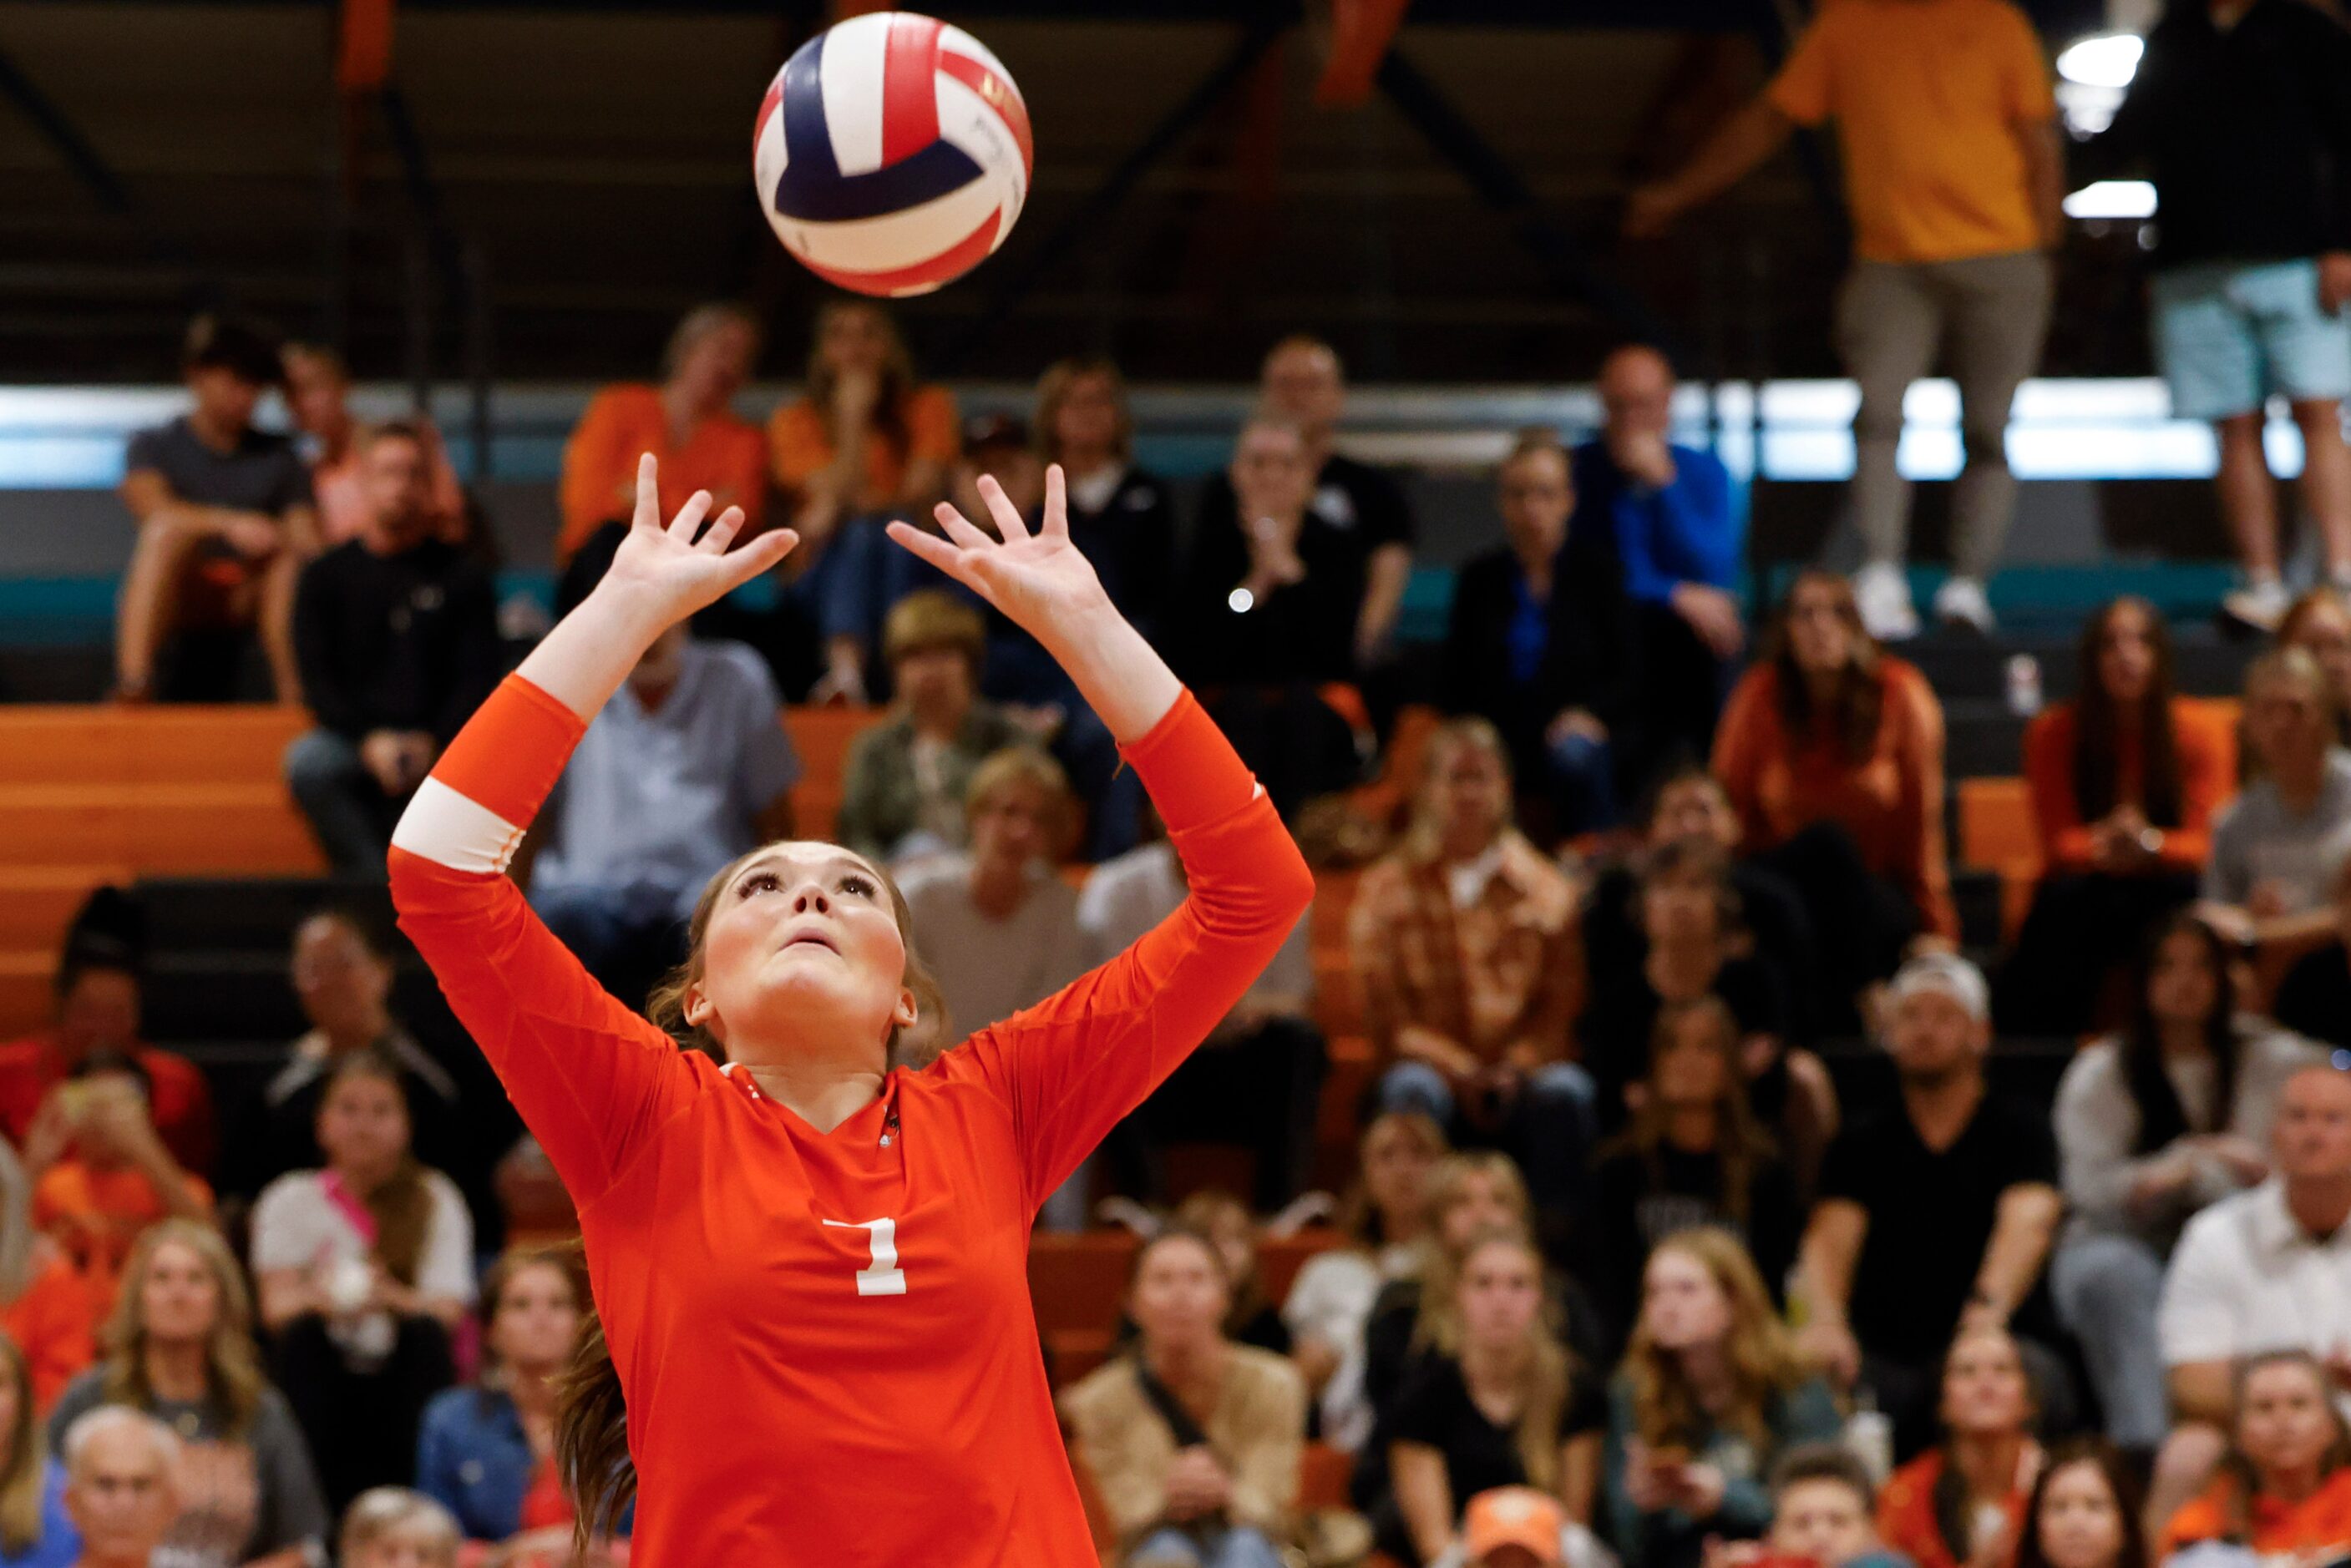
(226, 521)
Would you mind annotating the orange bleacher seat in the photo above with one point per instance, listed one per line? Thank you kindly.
(821, 737)
(1386, 797)
(1997, 834)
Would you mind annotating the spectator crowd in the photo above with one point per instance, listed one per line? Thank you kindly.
(1624, 1270)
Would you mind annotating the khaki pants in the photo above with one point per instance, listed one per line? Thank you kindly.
(1992, 315)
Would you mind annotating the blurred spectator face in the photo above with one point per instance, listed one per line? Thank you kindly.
(111, 1106)
(1820, 621)
(1236, 1238)
(2313, 1126)
(2181, 987)
(179, 1300)
(341, 985)
(2324, 631)
(1823, 1520)
(1499, 1292)
(363, 1123)
(2081, 1521)
(1018, 469)
(1469, 796)
(1695, 807)
(399, 1549)
(936, 682)
(661, 665)
(709, 374)
(2126, 654)
(1397, 1164)
(315, 392)
(2286, 720)
(1985, 1390)
(537, 1322)
(1536, 497)
(1179, 1296)
(1932, 1034)
(1271, 475)
(2285, 1422)
(1479, 1202)
(1683, 1305)
(855, 340)
(1689, 1067)
(100, 1013)
(1637, 389)
(399, 485)
(1680, 908)
(1088, 419)
(1301, 382)
(225, 400)
(1014, 824)
(121, 1497)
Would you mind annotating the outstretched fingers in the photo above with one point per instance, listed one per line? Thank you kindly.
(930, 548)
(721, 531)
(689, 516)
(1057, 503)
(1010, 524)
(648, 491)
(960, 528)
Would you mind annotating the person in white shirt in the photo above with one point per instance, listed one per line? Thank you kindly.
(1259, 1079)
(2269, 1269)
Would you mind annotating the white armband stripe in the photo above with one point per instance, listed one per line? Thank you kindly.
(450, 830)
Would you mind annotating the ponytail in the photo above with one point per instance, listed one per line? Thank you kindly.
(591, 1435)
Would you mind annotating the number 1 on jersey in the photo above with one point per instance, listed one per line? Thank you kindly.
(880, 1276)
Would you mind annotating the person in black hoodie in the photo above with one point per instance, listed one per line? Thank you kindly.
(396, 633)
(1540, 644)
(2240, 114)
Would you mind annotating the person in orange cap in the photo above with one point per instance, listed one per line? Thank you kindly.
(1513, 1527)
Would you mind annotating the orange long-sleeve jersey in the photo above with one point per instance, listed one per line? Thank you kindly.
(2206, 744)
(826, 1340)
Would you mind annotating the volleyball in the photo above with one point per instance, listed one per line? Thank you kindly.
(892, 153)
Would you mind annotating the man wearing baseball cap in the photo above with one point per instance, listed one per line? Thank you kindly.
(1935, 1211)
(1512, 1527)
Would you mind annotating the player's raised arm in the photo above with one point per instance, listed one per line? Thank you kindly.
(586, 1073)
(1080, 1061)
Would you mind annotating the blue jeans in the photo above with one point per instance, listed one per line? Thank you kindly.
(350, 814)
(1205, 1546)
(1548, 1128)
(2107, 1289)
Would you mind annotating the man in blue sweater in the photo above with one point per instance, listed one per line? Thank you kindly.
(1668, 514)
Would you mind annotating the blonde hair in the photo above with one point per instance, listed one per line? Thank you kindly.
(1543, 1373)
(1424, 837)
(394, 1512)
(1019, 765)
(22, 1479)
(701, 323)
(234, 1380)
(1053, 391)
(929, 618)
(1763, 1364)
(1358, 1216)
(1442, 1267)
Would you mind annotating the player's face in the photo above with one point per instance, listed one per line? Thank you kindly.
(1500, 1294)
(1536, 495)
(802, 943)
(179, 1300)
(1683, 1305)
(2284, 1423)
(1179, 1296)
(1985, 1390)
(1821, 1519)
(2081, 1519)
(2126, 653)
(538, 1319)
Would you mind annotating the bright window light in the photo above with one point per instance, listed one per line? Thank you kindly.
(2106, 61)
(2112, 198)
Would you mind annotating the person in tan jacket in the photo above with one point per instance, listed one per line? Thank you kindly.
(1194, 1442)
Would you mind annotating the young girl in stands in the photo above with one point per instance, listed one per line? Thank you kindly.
(365, 1269)
(1963, 1502)
(1496, 1400)
(180, 1348)
(1826, 728)
(2284, 1489)
(1192, 1441)
(1385, 1217)
(2320, 625)
(34, 1531)
(2125, 780)
(1709, 1395)
(2085, 1511)
(800, 1250)
(487, 1453)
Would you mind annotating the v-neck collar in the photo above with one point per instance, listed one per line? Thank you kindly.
(878, 1116)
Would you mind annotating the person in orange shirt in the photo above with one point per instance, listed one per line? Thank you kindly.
(2126, 782)
(2284, 1489)
(816, 1338)
(1961, 1503)
(687, 422)
(318, 391)
(101, 1174)
(44, 1309)
(1825, 728)
(866, 437)
(1954, 174)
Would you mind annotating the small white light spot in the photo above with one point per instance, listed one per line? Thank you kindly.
(1240, 601)
(2105, 60)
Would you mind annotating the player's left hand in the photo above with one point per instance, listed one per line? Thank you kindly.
(1040, 580)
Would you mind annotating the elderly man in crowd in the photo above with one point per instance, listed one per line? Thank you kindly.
(119, 1491)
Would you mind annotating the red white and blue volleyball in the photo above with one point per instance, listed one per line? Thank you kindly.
(892, 153)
